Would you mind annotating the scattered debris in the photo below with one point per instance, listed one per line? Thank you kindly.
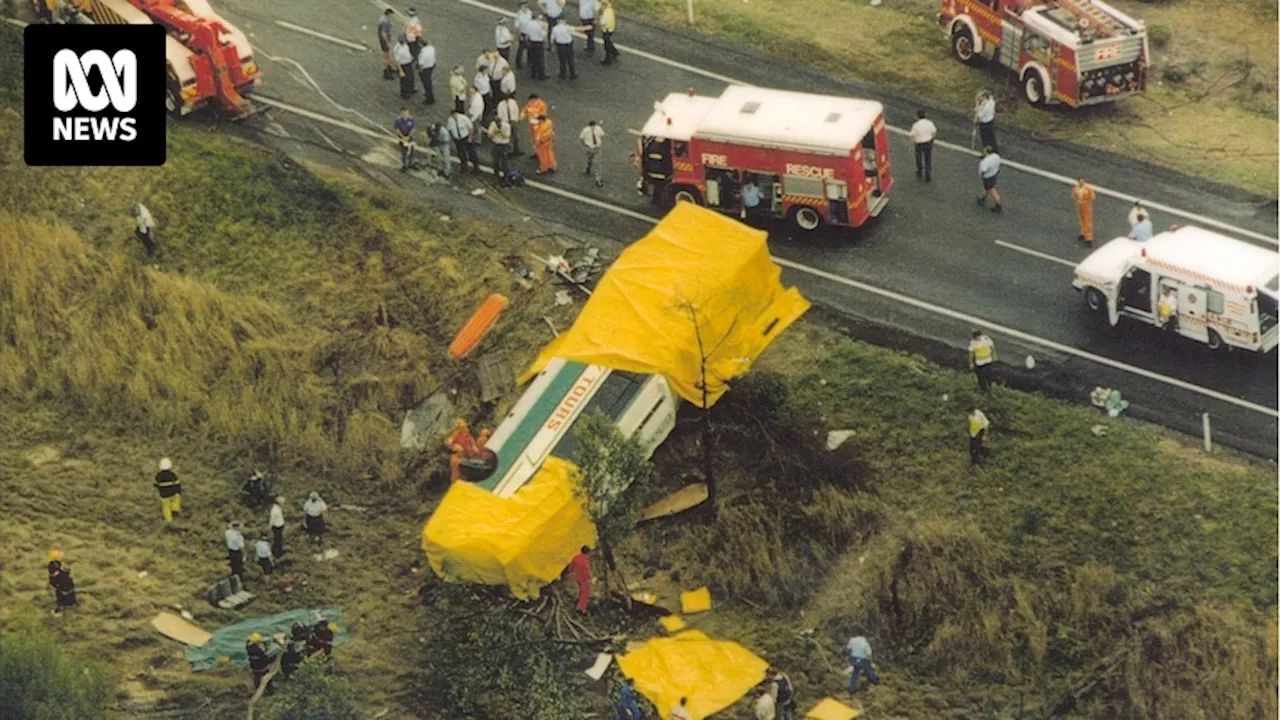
(554, 331)
(423, 425)
(477, 192)
(686, 497)
(478, 325)
(354, 508)
(672, 623)
(562, 298)
(1031, 363)
(1109, 400)
(1098, 430)
(445, 218)
(836, 438)
(186, 615)
(176, 628)
(142, 574)
(596, 671)
(328, 554)
(695, 601)
(497, 376)
(228, 593)
(646, 597)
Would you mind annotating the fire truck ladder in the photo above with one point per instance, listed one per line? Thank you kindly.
(1099, 22)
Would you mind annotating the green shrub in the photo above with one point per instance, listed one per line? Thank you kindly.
(38, 681)
(1159, 35)
(314, 692)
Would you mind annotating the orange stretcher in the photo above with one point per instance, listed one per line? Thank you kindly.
(477, 326)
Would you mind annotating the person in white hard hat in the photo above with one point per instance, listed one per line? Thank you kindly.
(170, 490)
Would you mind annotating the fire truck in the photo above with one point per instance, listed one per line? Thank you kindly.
(209, 61)
(1074, 52)
(816, 159)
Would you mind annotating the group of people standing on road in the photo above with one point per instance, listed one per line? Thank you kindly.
(485, 106)
(924, 132)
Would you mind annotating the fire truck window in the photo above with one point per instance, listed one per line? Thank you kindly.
(811, 187)
(1214, 303)
(682, 149)
(869, 140)
(1035, 43)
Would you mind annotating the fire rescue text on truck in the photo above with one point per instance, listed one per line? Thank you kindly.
(1224, 291)
(1075, 52)
(816, 159)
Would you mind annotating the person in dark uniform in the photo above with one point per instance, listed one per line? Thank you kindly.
(170, 489)
(321, 640)
(64, 589)
(259, 660)
(291, 658)
(55, 567)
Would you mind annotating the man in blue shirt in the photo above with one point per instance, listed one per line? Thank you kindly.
(628, 708)
(384, 41)
(405, 124)
(587, 15)
(989, 170)
(751, 196)
(1142, 230)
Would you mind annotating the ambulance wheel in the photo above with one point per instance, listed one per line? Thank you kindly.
(685, 194)
(1094, 300)
(1215, 341)
(1033, 89)
(806, 218)
(962, 45)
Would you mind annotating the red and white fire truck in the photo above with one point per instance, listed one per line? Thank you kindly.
(816, 159)
(1075, 52)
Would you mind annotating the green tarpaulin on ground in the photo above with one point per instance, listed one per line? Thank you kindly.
(230, 640)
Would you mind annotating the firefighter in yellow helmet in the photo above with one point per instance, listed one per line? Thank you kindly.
(259, 660)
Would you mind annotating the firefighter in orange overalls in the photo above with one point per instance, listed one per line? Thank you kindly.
(544, 139)
(1084, 196)
(535, 108)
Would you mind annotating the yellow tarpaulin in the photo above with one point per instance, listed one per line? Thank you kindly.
(713, 674)
(698, 278)
(524, 541)
(831, 709)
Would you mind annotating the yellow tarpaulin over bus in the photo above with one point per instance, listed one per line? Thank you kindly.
(713, 674)
(524, 541)
(697, 274)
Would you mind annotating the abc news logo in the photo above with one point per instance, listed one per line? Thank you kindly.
(94, 95)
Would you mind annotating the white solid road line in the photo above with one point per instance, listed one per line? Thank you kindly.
(1127, 197)
(815, 272)
(323, 36)
(1036, 253)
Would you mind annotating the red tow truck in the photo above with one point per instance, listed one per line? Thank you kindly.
(817, 159)
(1074, 52)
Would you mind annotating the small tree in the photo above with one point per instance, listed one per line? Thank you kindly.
(314, 692)
(38, 681)
(609, 464)
(707, 349)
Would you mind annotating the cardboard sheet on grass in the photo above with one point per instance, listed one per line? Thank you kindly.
(638, 319)
(524, 541)
(229, 641)
(713, 674)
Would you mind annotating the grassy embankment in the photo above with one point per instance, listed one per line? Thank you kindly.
(296, 314)
(1210, 110)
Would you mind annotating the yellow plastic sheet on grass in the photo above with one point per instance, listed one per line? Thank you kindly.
(713, 674)
(695, 265)
(524, 541)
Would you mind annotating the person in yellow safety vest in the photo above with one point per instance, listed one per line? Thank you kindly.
(982, 356)
(170, 489)
(1168, 309)
(978, 425)
(608, 24)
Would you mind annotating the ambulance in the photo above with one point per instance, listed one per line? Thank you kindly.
(541, 424)
(818, 160)
(1226, 290)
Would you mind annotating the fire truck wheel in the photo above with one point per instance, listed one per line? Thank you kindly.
(1215, 341)
(806, 218)
(1094, 300)
(173, 100)
(685, 194)
(962, 45)
(1033, 88)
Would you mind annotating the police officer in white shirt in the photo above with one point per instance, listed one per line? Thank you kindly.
(509, 112)
(554, 10)
(562, 37)
(922, 134)
(502, 39)
(485, 88)
(476, 107)
(592, 137)
(507, 87)
(460, 129)
(404, 58)
(142, 216)
(587, 10)
(426, 66)
(984, 114)
(524, 16)
(536, 32)
(989, 170)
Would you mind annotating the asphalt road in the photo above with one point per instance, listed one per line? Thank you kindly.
(933, 243)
